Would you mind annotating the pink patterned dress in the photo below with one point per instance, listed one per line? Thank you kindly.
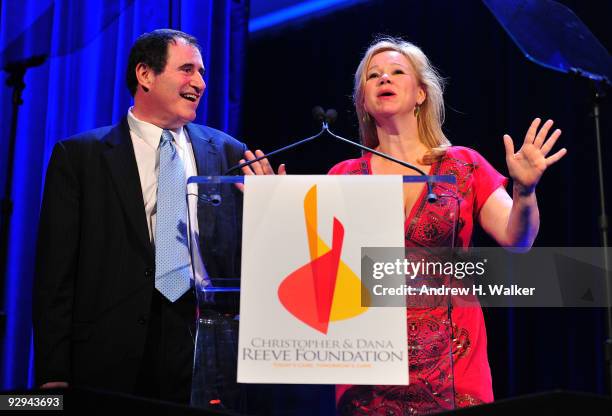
(437, 382)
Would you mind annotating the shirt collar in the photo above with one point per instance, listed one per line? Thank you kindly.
(151, 134)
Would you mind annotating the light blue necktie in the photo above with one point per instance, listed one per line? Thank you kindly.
(172, 265)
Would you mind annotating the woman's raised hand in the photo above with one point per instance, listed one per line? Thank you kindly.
(528, 164)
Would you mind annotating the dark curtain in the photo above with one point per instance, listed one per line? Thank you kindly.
(82, 86)
(492, 89)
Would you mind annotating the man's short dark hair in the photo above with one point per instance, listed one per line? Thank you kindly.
(151, 49)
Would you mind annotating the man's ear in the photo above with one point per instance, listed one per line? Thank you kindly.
(144, 76)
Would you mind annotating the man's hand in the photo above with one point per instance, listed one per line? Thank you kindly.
(261, 167)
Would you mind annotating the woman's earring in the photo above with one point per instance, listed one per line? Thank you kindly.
(365, 117)
(417, 110)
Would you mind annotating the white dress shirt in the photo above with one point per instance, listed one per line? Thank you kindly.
(145, 139)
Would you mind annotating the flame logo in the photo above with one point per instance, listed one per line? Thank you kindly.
(325, 289)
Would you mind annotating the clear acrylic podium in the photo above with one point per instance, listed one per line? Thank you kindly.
(216, 345)
(214, 384)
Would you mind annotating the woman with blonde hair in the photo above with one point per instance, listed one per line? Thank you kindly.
(398, 99)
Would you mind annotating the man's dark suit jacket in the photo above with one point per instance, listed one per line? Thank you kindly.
(95, 263)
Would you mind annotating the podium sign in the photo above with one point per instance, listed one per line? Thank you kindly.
(303, 317)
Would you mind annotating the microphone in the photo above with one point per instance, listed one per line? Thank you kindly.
(331, 115)
(321, 115)
(326, 118)
(318, 113)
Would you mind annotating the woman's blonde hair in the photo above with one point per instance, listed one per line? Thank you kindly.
(431, 113)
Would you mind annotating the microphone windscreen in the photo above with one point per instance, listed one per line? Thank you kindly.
(331, 115)
(318, 113)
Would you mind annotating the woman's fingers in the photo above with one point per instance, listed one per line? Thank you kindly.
(548, 145)
(531, 131)
(509, 145)
(556, 157)
(541, 135)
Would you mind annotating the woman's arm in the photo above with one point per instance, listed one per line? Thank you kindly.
(514, 222)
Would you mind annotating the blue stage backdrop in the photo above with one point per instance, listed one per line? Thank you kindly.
(81, 86)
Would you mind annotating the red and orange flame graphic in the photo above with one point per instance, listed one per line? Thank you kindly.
(325, 289)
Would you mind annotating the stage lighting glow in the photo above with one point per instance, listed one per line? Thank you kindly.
(303, 9)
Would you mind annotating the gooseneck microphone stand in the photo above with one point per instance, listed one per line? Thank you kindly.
(326, 118)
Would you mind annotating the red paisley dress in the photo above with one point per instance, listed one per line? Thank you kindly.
(437, 382)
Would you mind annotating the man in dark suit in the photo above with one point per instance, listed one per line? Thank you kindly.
(99, 318)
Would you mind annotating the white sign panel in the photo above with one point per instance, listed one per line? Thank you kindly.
(302, 316)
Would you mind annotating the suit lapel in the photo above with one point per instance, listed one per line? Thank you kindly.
(124, 172)
(206, 153)
(208, 163)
